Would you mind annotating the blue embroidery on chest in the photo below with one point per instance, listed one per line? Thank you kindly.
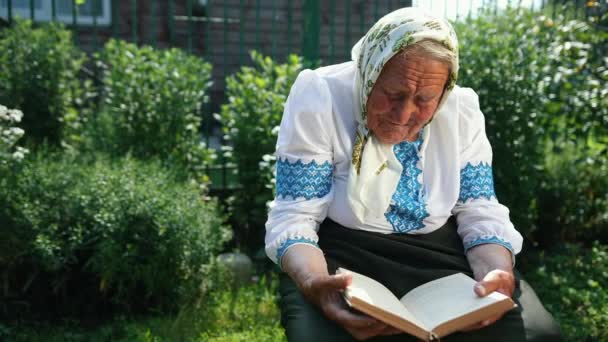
(476, 182)
(408, 208)
(309, 180)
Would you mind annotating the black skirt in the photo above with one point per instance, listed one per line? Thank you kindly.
(402, 262)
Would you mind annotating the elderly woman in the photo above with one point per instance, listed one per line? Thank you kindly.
(374, 158)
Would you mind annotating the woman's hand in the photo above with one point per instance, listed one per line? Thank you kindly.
(493, 270)
(325, 291)
(307, 267)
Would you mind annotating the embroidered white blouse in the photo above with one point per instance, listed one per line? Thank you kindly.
(447, 171)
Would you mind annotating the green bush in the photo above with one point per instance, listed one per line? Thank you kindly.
(152, 105)
(96, 236)
(573, 197)
(573, 284)
(39, 75)
(541, 83)
(250, 122)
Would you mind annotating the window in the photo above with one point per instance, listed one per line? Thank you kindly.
(43, 11)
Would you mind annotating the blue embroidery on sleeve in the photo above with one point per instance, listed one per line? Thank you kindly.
(290, 242)
(476, 182)
(310, 180)
(490, 239)
(408, 207)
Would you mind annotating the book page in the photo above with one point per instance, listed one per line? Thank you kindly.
(445, 299)
(370, 291)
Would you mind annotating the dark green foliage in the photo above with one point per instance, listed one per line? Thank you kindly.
(573, 200)
(573, 284)
(152, 105)
(96, 236)
(250, 122)
(39, 70)
(542, 83)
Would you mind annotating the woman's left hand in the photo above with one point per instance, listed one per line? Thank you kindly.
(493, 270)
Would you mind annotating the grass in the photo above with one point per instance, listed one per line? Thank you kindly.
(248, 313)
(572, 283)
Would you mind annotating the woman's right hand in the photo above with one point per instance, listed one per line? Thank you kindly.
(306, 266)
(326, 292)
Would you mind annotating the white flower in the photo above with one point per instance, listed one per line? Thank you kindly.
(3, 113)
(15, 115)
(16, 131)
(18, 155)
(9, 136)
(268, 157)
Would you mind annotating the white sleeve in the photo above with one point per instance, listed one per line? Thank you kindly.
(481, 218)
(304, 175)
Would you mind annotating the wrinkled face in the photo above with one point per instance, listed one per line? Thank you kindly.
(405, 97)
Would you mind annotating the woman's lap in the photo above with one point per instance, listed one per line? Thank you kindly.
(403, 262)
(529, 322)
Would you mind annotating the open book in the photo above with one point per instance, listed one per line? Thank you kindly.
(430, 311)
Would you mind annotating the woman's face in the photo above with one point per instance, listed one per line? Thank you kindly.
(405, 97)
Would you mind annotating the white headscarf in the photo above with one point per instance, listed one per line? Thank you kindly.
(375, 170)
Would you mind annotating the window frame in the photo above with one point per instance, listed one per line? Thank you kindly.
(45, 14)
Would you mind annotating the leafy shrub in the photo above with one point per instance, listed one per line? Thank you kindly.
(9, 135)
(94, 236)
(39, 75)
(541, 83)
(572, 283)
(250, 122)
(151, 104)
(573, 197)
